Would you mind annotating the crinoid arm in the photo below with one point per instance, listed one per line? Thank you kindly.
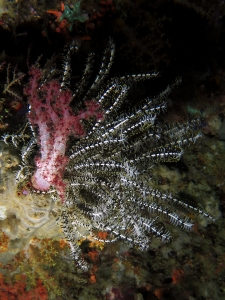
(108, 169)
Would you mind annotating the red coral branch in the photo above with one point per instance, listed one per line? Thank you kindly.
(17, 291)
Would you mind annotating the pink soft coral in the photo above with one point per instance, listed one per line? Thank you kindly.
(50, 111)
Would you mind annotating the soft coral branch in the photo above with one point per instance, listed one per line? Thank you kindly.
(50, 111)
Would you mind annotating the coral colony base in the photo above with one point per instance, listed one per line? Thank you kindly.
(98, 160)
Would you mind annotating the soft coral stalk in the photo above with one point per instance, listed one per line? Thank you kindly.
(50, 111)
